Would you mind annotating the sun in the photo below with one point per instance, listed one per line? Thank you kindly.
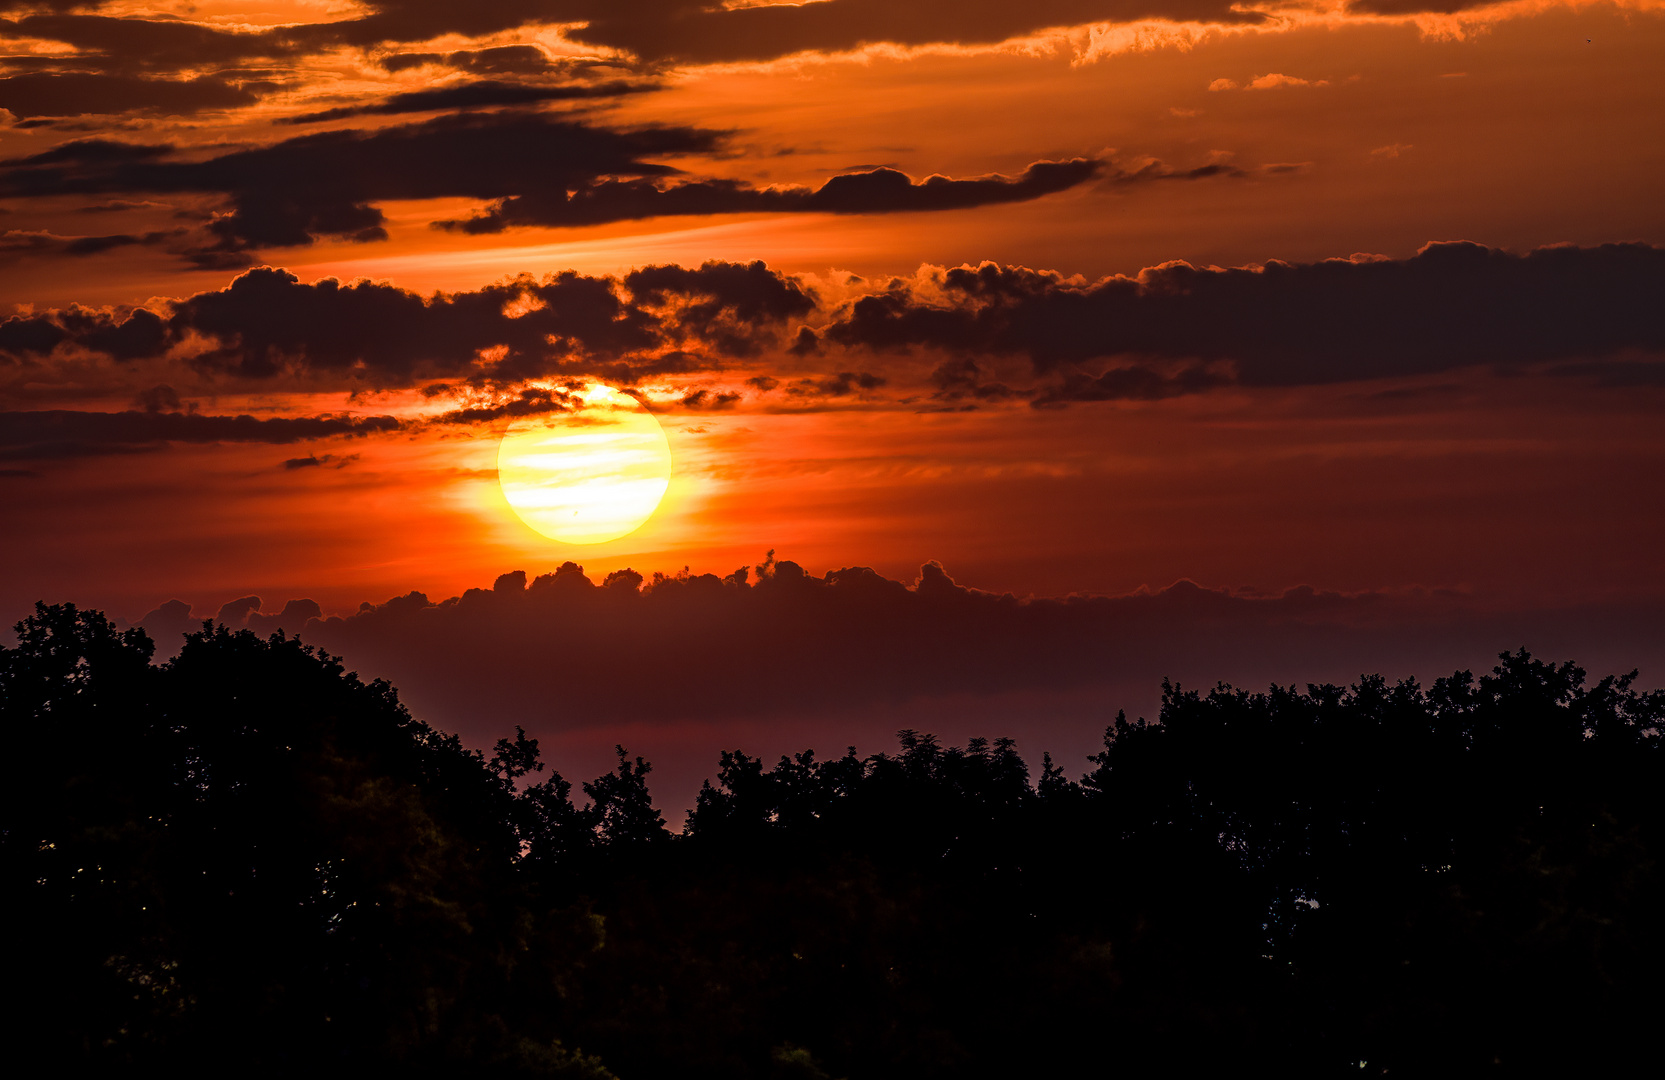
(589, 475)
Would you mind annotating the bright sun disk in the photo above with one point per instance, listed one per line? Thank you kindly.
(590, 475)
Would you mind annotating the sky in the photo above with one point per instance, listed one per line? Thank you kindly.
(1021, 355)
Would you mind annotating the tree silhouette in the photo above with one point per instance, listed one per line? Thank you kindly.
(247, 858)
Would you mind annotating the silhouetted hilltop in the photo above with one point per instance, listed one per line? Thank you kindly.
(247, 859)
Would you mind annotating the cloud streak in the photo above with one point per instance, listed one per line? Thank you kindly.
(485, 93)
(880, 191)
(56, 433)
(535, 169)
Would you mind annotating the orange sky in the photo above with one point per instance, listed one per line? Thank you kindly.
(1507, 479)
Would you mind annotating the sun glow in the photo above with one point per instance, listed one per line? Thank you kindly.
(589, 475)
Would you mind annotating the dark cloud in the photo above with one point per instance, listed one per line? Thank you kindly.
(1135, 383)
(962, 378)
(881, 191)
(158, 399)
(842, 384)
(504, 60)
(26, 335)
(1153, 171)
(486, 93)
(397, 62)
(656, 32)
(1413, 7)
(705, 400)
(1451, 305)
(169, 622)
(82, 93)
(421, 20)
(267, 322)
(329, 461)
(118, 206)
(15, 242)
(499, 60)
(49, 5)
(533, 169)
(124, 46)
(63, 434)
(324, 184)
(88, 154)
(882, 638)
(565, 652)
(1171, 330)
(696, 32)
(133, 335)
(532, 401)
(1628, 372)
(721, 304)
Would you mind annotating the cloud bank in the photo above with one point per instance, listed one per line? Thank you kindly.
(565, 654)
(929, 341)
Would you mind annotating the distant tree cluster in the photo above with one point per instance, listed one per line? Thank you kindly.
(246, 860)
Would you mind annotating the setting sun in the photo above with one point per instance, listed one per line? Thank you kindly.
(589, 475)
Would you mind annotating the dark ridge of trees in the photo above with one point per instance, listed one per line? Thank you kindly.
(248, 860)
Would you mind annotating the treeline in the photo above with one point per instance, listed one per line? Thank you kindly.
(248, 860)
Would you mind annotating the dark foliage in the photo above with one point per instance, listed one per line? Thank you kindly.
(248, 858)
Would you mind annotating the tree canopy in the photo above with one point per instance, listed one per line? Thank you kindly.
(248, 857)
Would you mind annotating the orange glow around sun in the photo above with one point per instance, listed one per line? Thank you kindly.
(590, 475)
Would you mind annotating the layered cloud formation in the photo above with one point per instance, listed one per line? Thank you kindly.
(782, 654)
(536, 169)
(1169, 330)
(649, 32)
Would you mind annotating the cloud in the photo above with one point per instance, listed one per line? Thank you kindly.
(475, 95)
(962, 379)
(19, 242)
(531, 401)
(693, 32)
(1134, 383)
(880, 191)
(842, 384)
(133, 335)
(1413, 7)
(656, 33)
(266, 322)
(1271, 81)
(499, 60)
(1451, 305)
(82, 93)
(56, 433)
(1275, 81)
(535, 170)
(1170, 330)
(884, 638)
(315, 461)
(566, 653)
(125, 46)
(707, 400)
(1155, 170)
(290, 192)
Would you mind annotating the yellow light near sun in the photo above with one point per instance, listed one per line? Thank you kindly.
(587, 476)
